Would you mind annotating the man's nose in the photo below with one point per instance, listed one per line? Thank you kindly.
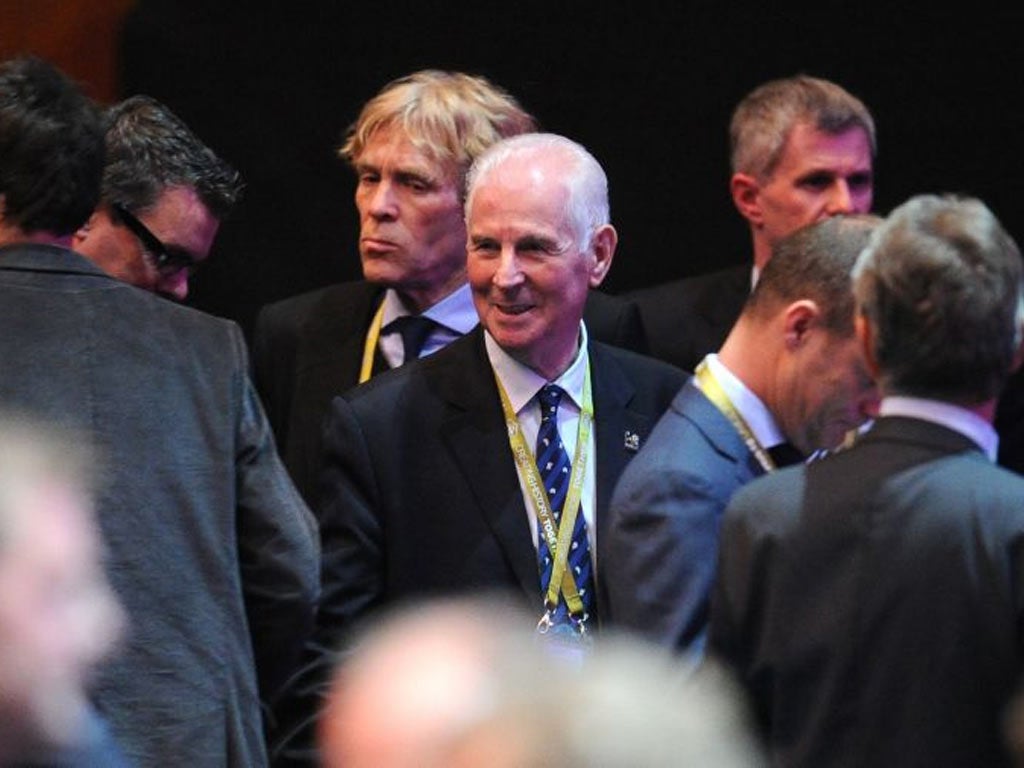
(382, 202)
(508, 274)
(840, 200)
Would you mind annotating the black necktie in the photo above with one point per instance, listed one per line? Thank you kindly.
(784, 455)
(414, 330)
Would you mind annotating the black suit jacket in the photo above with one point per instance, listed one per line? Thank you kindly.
(309, 348)
(873, 601)
(421, 494)
(421, 497)
(686, 319)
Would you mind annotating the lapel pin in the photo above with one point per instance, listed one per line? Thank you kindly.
(632, 441)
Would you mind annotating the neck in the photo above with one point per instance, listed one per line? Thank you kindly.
(551, 366)
(985, 410)
(419, 299)
(12, 235)
(749, 357)
(762, 251)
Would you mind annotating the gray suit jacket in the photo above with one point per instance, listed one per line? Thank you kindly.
(662, 540)
(209, 547)
(873, 602)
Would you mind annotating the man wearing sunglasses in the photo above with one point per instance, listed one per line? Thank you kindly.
(164, 195)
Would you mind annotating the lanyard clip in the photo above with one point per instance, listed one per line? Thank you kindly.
(545, 624)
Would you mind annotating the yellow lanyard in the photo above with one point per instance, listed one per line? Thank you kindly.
(370, 347)
(558, 543)
(711, 388)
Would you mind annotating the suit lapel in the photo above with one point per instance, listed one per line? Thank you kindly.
(614, 424)
(474, 431)
(693, 405)
(331, 345)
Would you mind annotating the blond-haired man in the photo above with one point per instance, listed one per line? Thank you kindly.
(410, 148)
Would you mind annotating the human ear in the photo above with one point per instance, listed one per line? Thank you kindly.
(800, 319)
(746, 196)
(603, 247)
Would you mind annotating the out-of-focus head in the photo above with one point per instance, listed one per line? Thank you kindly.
(164, 195)
(802, 149)
(939, 301)
(466, 682)
(51, 151)
(58, 616)
(417, 678)
(539, 237)
(411, 147)
(820, 385)
(627, 704)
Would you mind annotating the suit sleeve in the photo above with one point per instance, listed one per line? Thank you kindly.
(730, 593)
(661, 563)
(352, 578)
(352, 572)
(740, 594)
(277, 544)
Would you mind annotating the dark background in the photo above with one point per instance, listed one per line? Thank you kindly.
(647, 86)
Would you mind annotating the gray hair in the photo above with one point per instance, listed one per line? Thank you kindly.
(150, 149)
(763, 120)
(585, 180)
(941, 284)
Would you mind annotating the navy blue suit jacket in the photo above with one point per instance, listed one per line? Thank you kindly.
(662, 540)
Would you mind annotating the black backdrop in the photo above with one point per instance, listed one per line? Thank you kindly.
(647, 86)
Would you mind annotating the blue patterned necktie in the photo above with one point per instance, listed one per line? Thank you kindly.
(555, 469)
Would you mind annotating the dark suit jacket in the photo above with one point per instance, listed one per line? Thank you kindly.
(687, 319)
(662, 543)
(208, 545)
(421, 497)
(421, 494)
(309, 348)
(873, 601)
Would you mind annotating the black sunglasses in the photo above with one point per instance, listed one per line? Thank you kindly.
(167, 259)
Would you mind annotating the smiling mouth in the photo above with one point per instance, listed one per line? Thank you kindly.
(513, 309)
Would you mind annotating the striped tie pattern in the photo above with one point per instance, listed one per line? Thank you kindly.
(555, 469)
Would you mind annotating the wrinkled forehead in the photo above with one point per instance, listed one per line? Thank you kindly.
(414, 146)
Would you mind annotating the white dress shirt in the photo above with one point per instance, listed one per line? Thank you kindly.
(521, 385)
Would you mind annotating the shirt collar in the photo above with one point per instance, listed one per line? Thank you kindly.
(747, 404)
(454, 311)
(968, 424)
(522, 383)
